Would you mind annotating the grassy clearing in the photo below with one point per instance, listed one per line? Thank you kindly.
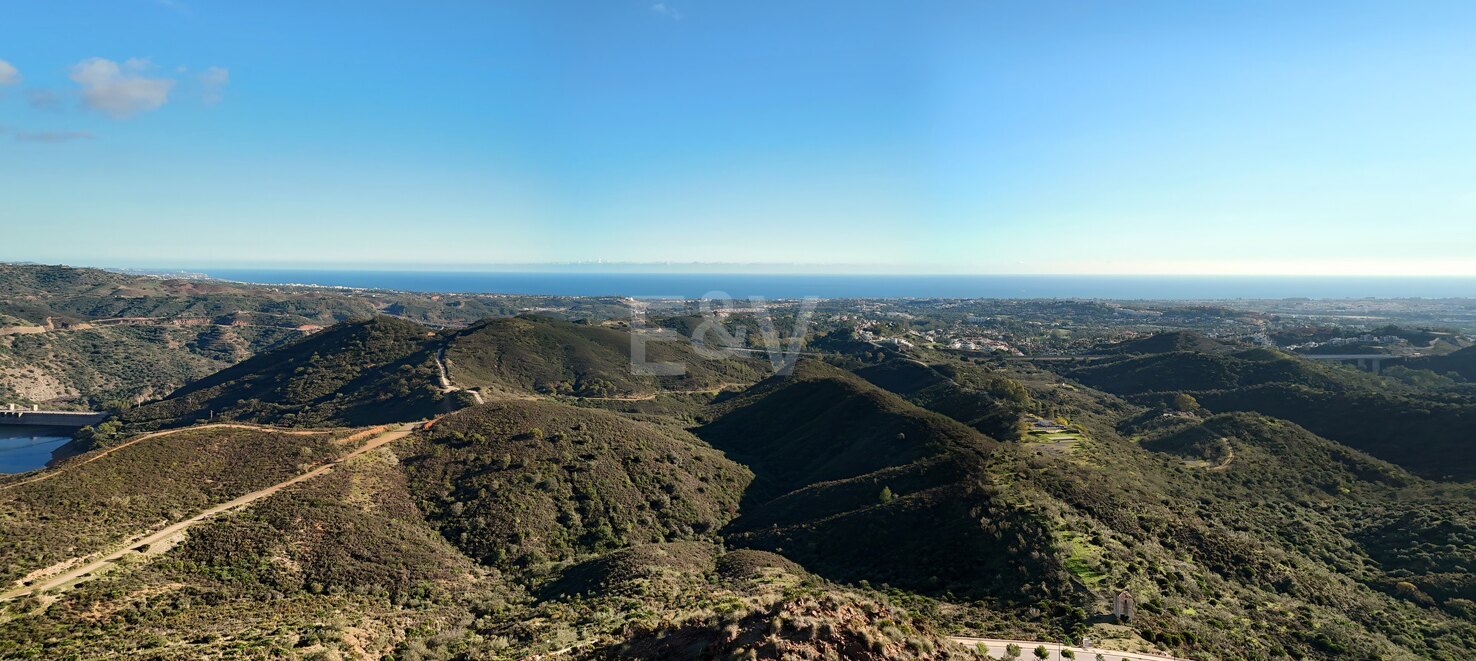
(1083, 558)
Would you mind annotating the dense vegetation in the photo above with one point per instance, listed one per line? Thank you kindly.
(989, 403)
(521, 483)
(87, 505)
(550, 356)
(1459, 364)
(840, 463)
(1426, 433)
(88, 338)
(356, 373)
(1259, 506)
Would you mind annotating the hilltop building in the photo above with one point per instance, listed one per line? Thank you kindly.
(1124, 606)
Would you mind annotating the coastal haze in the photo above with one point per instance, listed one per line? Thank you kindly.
(699, 330)
(694, 285)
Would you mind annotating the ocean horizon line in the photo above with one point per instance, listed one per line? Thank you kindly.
(858, 286)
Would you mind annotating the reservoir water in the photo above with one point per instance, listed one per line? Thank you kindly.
(26, 448)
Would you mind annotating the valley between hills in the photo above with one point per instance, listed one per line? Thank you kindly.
(406, 476)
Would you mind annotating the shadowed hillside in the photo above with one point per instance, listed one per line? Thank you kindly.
(1461, 363)
(355, 373)
(544, 355)
(993, 409)
(1196, 371)
(1427, 434)
(841, 464)
(1169, 342)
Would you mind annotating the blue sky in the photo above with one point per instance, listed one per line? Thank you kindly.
(968, 137)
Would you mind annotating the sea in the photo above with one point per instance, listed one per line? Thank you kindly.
(27, 448)
(774, 286)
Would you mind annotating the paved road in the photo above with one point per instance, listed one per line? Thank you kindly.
(78, 570)
(1027, 650)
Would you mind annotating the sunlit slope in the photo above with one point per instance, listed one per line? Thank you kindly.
(532, 354)
(355, 373)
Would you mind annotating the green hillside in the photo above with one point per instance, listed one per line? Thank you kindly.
(1170, 341)
(1429, 437)
(522, 482)
(1460, 363)
(88, 338)
(839, 462)
(356, 373)
(533, 354)
(1257, 505)
(84, 505)
(341, 566)
(1195, 371)
(992, 406)
(1423, 432)
(1247, 533)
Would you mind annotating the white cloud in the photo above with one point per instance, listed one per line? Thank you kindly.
(9, 75)
(120, 91)
(214, 81)
(667, 11)
(138, 64)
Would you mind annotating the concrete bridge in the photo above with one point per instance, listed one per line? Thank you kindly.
(12, 415)
(1370, 361)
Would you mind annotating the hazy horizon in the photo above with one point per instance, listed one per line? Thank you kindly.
(701, 268)
(1061, 137)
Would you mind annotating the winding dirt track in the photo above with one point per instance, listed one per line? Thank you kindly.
(69, 465)
(445, 379)
(77, 570)
(1053, 650)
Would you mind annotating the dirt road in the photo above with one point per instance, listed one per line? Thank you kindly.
(77, 570)
(66, 466)
(446, 385)
(997, 647)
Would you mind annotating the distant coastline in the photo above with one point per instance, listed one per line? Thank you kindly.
(693, 285)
